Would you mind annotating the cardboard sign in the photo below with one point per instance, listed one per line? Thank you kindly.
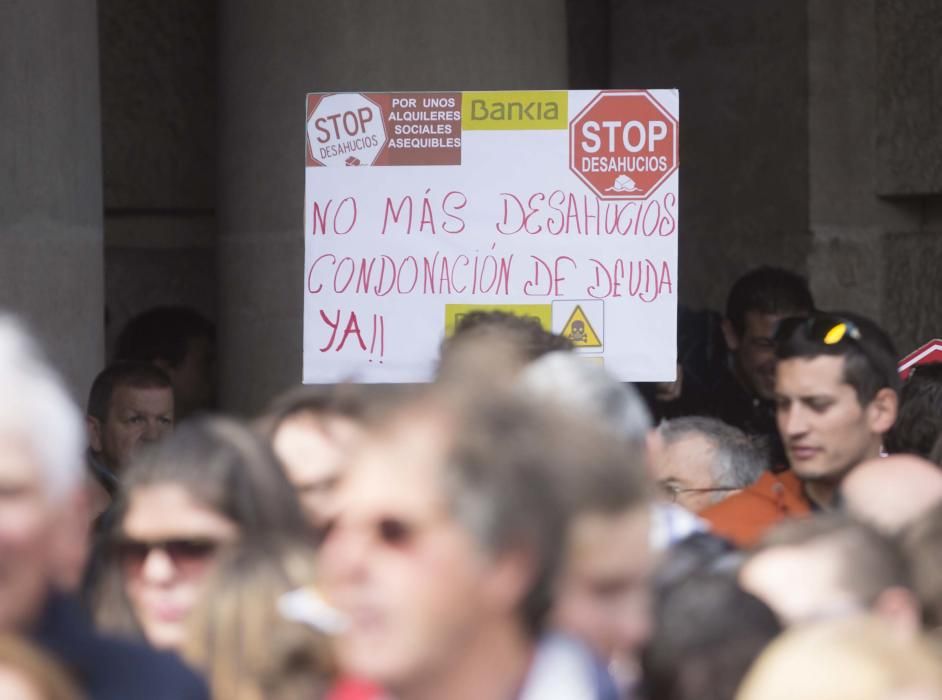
(420, 207)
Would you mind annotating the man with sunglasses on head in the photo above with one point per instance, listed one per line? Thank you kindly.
(836, 396)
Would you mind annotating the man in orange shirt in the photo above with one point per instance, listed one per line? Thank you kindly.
(836, 394)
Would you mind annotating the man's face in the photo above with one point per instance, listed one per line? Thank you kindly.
(412, 581)
(684, 466)
(825, 430)
(27, 535)
(604, 590)
(135, 416)
(754, 351)
(314, 450)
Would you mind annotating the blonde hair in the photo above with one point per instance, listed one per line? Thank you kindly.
(44, 675)
(239, 640)
(859, 658)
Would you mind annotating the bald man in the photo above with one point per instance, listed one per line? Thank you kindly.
(891, 492)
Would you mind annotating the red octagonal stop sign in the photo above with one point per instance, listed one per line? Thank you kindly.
(623, 145)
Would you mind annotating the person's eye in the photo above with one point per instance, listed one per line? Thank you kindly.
(136, 419)
(394, 532)
(10, 492)
(164, 420)
(819, 405)
(328, 529)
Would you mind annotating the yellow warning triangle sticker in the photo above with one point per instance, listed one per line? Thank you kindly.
(580, 331)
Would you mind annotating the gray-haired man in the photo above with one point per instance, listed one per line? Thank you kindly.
(702, 460)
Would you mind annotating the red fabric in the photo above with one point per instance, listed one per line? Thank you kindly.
(745, 517)
(350, 689)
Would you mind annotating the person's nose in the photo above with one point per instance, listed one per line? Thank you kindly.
(344, 555)
(793, 421)
(158, 567)
(152, 431)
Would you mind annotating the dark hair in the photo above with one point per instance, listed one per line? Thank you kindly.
(223, 465)
(526, 332)
(869, 362)
(870, 562)
(767, 290)
(919, 421)
(935, 454)
(696, 555)
(228, 468)
(707, 633)
(139, 375)
(162, 333)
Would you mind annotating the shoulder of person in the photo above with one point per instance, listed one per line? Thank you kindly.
(110, 668)
(744, 517)
(136, 670)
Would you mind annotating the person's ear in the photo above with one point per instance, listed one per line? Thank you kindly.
(510, 577)
(881, 411)
(730, 335)
(94, 429)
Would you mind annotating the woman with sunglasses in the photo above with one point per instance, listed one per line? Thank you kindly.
(211, 486)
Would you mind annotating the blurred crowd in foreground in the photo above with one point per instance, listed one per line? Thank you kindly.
(526, 527)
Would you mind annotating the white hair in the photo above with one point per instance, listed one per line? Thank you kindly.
(574, 383)
(36, 407)
(738, 460)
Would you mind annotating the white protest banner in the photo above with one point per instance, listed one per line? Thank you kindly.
(421, 206)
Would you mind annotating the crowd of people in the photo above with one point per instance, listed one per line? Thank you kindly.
(525, 527)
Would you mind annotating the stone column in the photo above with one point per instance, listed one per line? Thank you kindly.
(271, 54)
(876, 162)
(50, 180)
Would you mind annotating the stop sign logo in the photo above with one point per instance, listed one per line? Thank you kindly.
(623, 145)
(346, 129)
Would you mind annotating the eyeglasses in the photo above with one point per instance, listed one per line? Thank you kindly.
(672, 491)
(823, 328)
(188, 556)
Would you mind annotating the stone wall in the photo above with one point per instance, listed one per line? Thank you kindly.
(808, 140)
(875, 211)
(50, 180)
(158, 84)
(741, 67)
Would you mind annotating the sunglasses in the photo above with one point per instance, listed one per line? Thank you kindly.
(823, 328)
(187, 556)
